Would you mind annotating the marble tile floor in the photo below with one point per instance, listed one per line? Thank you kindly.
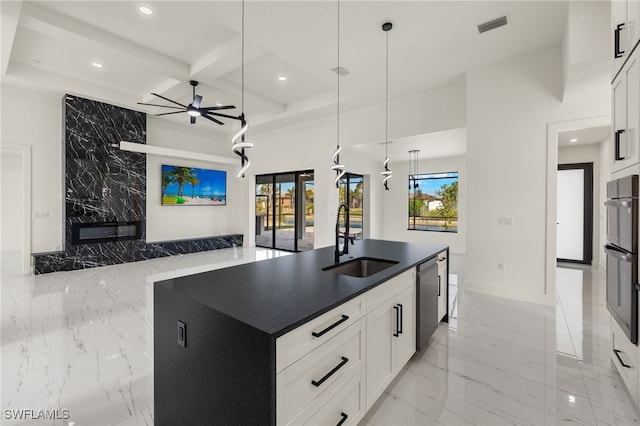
(81, 341)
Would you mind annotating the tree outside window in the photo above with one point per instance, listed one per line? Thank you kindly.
(433, 202)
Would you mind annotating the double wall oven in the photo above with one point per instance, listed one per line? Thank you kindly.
(622, 253)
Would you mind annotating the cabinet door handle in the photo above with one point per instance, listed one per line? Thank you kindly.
(619, 155)
(439, 285)
(401, 319)
(397, 332)
(618, 53)
(331, 327)
(617, 352)
(343, 419)
(330, 373)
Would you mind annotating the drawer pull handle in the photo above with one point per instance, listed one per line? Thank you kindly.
(401, 319)
(331, 327)
(618, 52)
(344, 419)
(617, 352)
(330, 373)
(397, 332)
(439, 285)
(619, 154)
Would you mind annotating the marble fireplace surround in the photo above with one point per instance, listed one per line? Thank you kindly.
(105, 184)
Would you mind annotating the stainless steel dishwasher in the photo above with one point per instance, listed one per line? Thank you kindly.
(426, 301)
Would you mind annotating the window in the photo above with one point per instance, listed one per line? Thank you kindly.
(433, 202)
(351, 186)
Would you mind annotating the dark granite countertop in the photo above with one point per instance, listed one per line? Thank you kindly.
(278, 295)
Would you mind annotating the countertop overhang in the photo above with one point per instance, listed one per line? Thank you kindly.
(278, 295)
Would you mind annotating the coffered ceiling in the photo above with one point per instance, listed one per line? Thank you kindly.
(51, 45)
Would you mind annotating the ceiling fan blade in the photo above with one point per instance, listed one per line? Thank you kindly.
(221, 115)
(213, 119)
(157, 105)
(193, 119)
(196, 101)
(168, 113)
(167, 99)
(218, 107)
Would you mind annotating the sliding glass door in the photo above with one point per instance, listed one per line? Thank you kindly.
(351, 189)
(284, 211)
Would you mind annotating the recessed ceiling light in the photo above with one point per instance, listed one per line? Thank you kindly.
(145, 10)
(35, 61)
(573, 140)
(218, 103)
(97, 65)
(282, 78)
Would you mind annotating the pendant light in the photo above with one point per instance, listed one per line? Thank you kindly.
(238, 139)
(386, 173)
(335, 158)
(413, 169)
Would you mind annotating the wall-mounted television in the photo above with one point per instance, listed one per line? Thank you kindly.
(191, 186)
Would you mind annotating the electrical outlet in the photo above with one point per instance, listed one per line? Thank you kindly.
(505, 221)
(182, 334)
(501, 266)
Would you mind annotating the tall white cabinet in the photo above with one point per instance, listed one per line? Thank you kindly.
(625, 156)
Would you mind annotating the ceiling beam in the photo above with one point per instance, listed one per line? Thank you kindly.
(252, 97)
(10, 12)
(225, 58)
(165, 86)
(56, 25)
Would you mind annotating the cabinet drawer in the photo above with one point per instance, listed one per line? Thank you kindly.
(389, 289)
(299, 342)
(623, 351)
(346, 404)
(317, 372)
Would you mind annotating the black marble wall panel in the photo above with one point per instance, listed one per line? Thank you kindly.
(172, 248)
(102, 183)
(45, 263)
(112, 253)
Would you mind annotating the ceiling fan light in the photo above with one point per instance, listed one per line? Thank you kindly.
(193, 112)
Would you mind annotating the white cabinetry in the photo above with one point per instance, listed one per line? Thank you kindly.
(624, 356)
(625, 33)
(333, 368)
(625, 96)
(443, 284)
(391, 332)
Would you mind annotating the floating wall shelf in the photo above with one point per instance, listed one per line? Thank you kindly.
(176, 153)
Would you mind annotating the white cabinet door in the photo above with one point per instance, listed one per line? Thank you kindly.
(632, 26)
(380, 324)
(619, 32)
(405, 342)
(626, 119)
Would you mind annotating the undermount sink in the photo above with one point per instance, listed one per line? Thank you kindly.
(361, 267)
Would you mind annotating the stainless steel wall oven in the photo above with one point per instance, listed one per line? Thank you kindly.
(622, 253)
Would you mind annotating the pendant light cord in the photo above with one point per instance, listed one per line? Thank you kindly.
(338, 74)
(386, 114)
(242, 62)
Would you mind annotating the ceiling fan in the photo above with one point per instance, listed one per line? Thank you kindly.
(193, 109)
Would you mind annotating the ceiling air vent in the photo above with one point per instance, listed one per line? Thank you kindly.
(342, 71)
(493, 24)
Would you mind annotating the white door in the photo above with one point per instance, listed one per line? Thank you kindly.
(15, 189)
(571, 214)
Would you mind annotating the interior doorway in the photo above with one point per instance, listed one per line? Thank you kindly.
(15, 211)
(575, 213)
(285, 211)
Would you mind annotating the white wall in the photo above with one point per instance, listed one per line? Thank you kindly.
(34, 118)
(396, 206)
(588, 154)
(606, 163)
(509, 106)
(182, 222)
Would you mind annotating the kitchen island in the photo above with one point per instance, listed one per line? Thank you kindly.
(227, 342)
